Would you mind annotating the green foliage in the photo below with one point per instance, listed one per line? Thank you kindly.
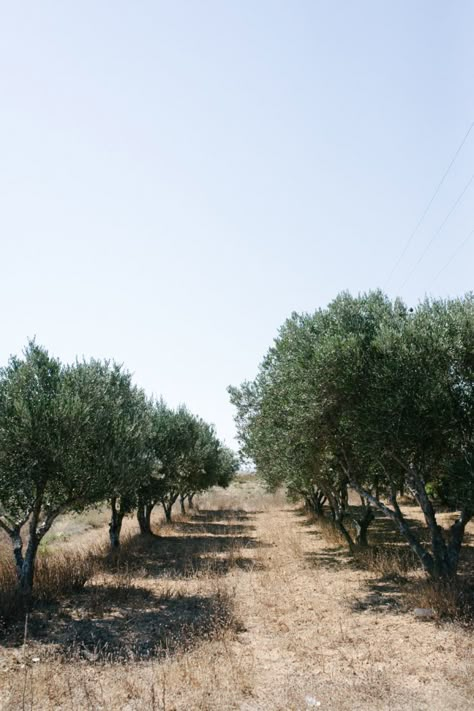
(369, 394)
(187, 458)
(73, 436)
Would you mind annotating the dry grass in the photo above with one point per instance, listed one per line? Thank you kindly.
(391, 559)
(56, 574)
(242, 605)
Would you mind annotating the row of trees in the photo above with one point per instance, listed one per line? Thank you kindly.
(372, 396)
(74, 436)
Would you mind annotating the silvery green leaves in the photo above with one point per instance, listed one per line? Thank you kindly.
(371, 395)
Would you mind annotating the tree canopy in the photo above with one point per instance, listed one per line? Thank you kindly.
(370, 395)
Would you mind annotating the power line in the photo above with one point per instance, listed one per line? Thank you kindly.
(420, 258)
(432, 199)
(454, 254)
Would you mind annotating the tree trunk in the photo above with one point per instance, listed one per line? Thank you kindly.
(399, 520)
(457, 536)
(181, 502)
(141, 518)
(167, 509)
(338, 512)
(441, 569)
(17, 543)
(167, 502)
(362, 524)
(316, 501)
(115, 525)
(339, 524)
(25, 564)
(144, 518)
(190, 501)
(28, 569)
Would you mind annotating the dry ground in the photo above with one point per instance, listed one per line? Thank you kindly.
(243, 605)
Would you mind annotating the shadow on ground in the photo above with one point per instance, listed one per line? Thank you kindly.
(330, 558)
(115, 619)
(222, 515)
(201, 545)
(215, 529)
(117, 624)
(384, 594)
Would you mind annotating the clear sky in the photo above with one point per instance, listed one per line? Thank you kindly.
(177, 177)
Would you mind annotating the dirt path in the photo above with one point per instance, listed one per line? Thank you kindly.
(321, 632)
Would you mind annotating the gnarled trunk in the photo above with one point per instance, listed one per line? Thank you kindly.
(339, 524)
(167, 503)
(17, 543)
(337, 509)
(362, 523)
(442, 562)
(181, 503)
(25, 563)
(115, 525)
(456, 538)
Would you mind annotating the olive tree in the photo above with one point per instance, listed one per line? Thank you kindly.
(293, 428)
(417, 425)
(370, 395)
(171, 440)
(208, 463)
(187, 458)
(36, 481)
(70, 437)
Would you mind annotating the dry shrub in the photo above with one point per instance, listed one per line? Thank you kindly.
(387, 561)
(453, 600)
(129, 560)
(63, 572)
(328, 529)
(56, 574)
(10, 603)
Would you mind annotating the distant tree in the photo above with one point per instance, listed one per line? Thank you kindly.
(187, 459)
(171, 441)
(227, 466)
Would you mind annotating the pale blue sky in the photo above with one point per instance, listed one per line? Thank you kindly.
(177, 177)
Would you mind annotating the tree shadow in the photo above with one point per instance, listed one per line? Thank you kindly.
(222, 515)
(329, 558)
(215, 529)
(384, 594)
(306, 518)
(383, 530)
(125, 623)
(184, 556)
(209, 544)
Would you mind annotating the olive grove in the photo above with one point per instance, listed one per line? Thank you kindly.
(370, 396)
(80, 435)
